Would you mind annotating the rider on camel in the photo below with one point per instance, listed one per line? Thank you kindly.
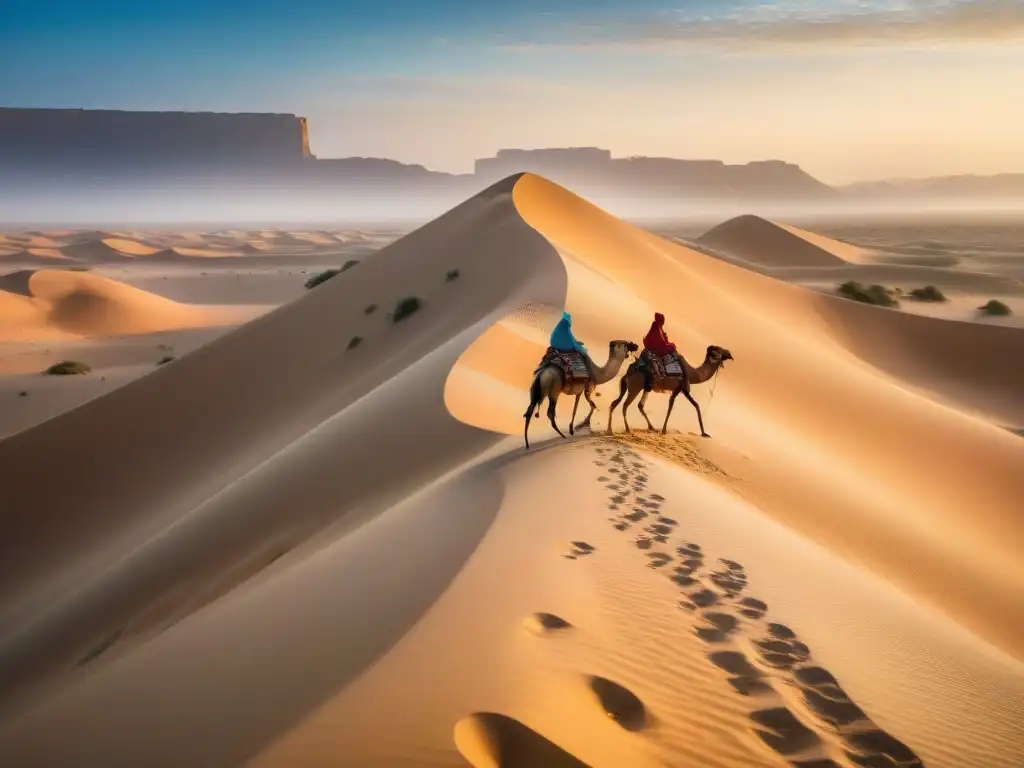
(562, 340)
(656, 343)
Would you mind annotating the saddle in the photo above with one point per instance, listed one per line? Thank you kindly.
(667, 367)
(572, 364)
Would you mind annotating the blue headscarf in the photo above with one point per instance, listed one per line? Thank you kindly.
(562, 338)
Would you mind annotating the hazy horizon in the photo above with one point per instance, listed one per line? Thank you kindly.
(849, 90)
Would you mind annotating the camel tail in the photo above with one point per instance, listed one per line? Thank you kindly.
(536, 396)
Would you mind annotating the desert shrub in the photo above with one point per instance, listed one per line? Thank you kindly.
(405, 307)
(23, 393)
(321, 277)
(928, 293)
(370, 309)
(994, 307)
(67, 368)
(165, 360)
(355, 341)
(452, 276)
(348, 265)
(878, 295)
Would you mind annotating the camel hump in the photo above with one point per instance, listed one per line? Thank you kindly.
(571, 363)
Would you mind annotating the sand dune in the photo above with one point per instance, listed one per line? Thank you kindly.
(385, 578)
(55, 303)
(759, 241)
(106, 249)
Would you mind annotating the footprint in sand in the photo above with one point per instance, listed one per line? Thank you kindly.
(719, 626)
(541, 624)
(578, 549)
(752, 608)
(492, 740)
(782, 731)
(722, 612)
(659, 531)
(658, 559)
(864, 742)
(620, 704)
(637, 515)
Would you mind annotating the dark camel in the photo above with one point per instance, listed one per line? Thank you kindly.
(550, 382)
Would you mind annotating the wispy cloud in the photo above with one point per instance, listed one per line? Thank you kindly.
(848, 23)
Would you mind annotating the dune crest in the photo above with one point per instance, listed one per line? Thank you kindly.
(765, 243)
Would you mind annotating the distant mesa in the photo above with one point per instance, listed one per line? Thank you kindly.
(65, 147)
(995, 187)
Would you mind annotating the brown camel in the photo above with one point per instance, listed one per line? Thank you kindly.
(633, 383)
(550, 382)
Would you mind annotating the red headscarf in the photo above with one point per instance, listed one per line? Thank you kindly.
(656, 340)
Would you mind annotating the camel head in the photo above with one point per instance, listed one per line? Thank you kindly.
(718, 355)
(621, 349)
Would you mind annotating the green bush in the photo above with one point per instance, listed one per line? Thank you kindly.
(452, 276)
(877, 295)
(355, 341)
(165, 360)
(407, 306)
(67, 368)
(370, 309)
(928, 293)
(321, 277)
(327, 274)
(996, 308)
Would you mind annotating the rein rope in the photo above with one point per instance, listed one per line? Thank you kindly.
(714, 383)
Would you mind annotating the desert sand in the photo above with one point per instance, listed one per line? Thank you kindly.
(291, 548)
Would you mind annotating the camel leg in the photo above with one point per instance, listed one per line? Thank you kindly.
(536, 398)
(593, 407)
(629, 399)
(575, 405)
(700, 420)
(671, 402)
(640, 405)
(615, 403)
(552, 402)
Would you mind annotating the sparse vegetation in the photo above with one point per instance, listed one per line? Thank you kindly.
(23, 393)
(995, 308)
(878, 295)
(928, 293)
(67, 368)
(321, 277)
(165, 360)
(407, 306)
(452, 275)
(327, 274)
(355, 341)
(370, 309)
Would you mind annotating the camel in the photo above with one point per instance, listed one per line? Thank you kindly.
(549, 382)
(633, 383)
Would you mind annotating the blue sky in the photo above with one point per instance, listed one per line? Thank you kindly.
(848, 88)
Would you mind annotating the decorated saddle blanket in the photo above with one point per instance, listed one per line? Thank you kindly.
(667, 367)
(572, 363)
